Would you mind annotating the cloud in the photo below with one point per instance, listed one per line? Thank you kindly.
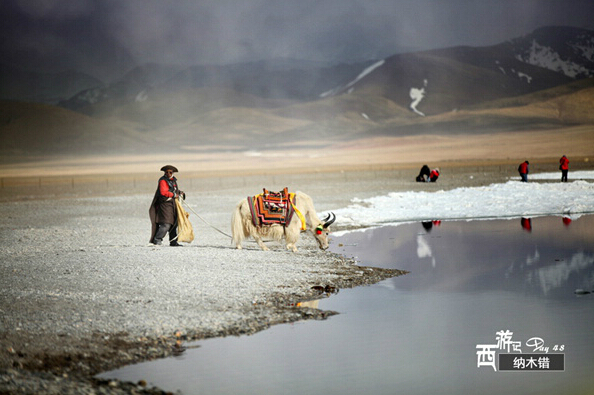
(55, 9)
(112, 35)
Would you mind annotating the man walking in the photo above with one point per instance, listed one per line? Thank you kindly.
(162, 211)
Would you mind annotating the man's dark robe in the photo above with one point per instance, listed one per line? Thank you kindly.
(161, 211)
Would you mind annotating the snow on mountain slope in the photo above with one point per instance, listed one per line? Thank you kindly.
(362, 75)
(548, 58)
(565, 50)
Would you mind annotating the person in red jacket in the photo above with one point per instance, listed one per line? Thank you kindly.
(162, 212)
(524, 170)
(434, 175)
(564, 167)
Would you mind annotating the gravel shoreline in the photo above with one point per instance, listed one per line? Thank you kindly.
(82, 291)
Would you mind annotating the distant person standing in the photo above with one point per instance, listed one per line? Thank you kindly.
(524, 170)
(564, 167)
(434, 175)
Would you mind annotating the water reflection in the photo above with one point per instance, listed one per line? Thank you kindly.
(526, 224)
(468, 256)
(428, 225)
(417, 334)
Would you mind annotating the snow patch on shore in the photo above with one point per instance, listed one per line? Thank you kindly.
(512, 199)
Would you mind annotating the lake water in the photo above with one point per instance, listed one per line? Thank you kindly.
(418, 333)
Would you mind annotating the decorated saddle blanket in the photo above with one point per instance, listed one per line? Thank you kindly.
(272, 207)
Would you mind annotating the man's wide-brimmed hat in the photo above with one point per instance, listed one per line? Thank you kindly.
(169, 167)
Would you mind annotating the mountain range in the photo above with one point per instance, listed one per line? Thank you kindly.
(541, 80)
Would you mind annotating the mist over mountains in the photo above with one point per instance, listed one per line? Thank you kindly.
(541, 80)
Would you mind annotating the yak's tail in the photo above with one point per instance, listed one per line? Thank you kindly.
(237, 231)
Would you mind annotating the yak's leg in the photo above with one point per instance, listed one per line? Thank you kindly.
(291, 247)
(237, 242)
(261, 243)
(291, 241)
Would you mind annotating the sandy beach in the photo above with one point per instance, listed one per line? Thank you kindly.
(83, 292)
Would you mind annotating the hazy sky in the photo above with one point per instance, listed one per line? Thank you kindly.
(103, 36)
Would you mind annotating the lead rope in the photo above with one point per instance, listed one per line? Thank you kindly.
(205, 221)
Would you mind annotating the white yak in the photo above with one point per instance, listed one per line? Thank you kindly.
(242, 225)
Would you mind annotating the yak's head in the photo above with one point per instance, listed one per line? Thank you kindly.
(322, 231)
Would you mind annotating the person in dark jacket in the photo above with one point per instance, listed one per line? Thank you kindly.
(564, 167)
(162, 211)
(524, 170)
(423, 174)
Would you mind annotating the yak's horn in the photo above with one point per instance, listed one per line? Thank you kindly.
(329, 221)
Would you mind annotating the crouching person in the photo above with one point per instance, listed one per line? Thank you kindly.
(434, 175)
(423, 174)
